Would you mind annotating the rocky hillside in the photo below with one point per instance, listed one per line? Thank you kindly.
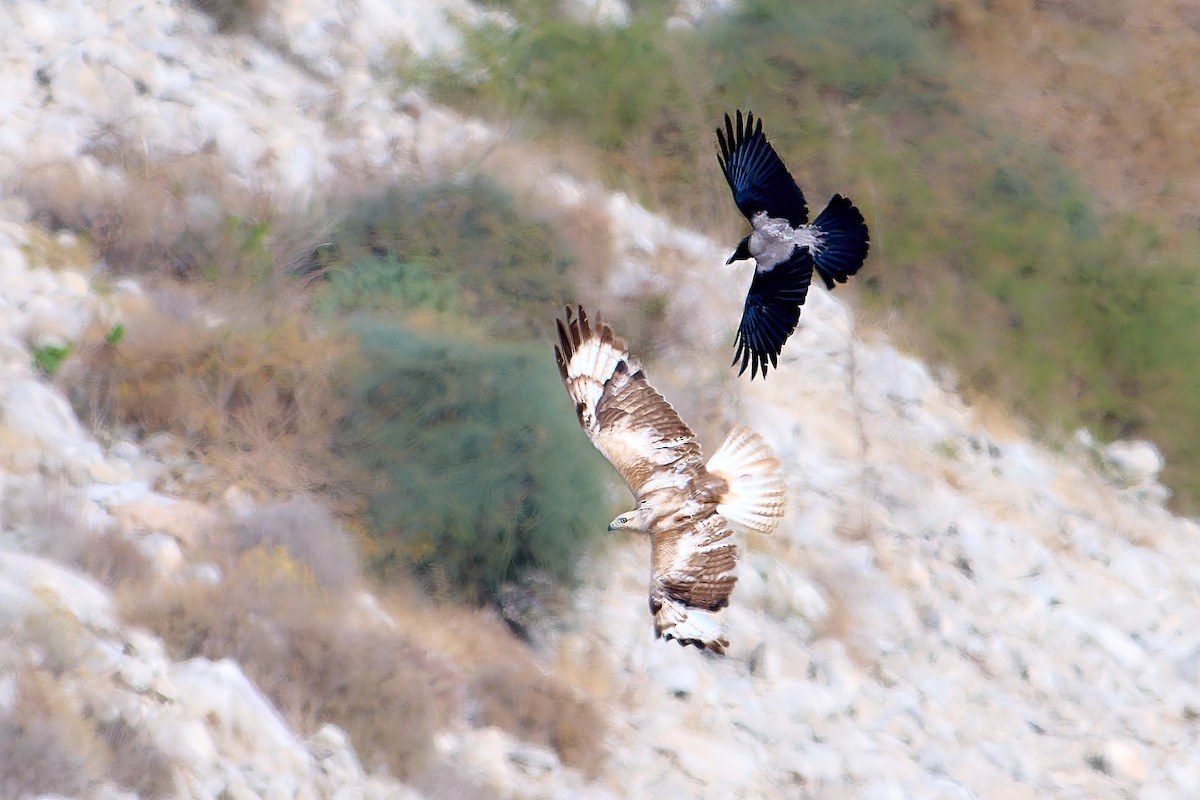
(950, 610)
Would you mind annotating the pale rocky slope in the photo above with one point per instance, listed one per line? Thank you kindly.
(948, 611)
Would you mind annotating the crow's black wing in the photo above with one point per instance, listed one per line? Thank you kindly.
(772, 311)
(757, 176)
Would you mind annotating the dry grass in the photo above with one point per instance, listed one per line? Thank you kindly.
(135, 762)
(185, 216)
(46, 746)
(112, 558)
(1103, 86)
(221, 351)
(505, 685)
(312, 655)
(58, 531)
(310, 534)
(535, 706)
(50, 743)
(319, 659)
(252, 389)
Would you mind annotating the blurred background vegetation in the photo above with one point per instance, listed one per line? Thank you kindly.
(454, 407)
(1028, 169)
(1030, 230)
(993, 250)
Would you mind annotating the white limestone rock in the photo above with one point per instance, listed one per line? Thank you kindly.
(39, 431)
(609, 13)
(1138, 462)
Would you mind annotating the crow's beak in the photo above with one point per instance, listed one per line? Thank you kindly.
(742, 252)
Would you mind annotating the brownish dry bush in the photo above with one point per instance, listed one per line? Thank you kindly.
(310, 534)
(536, 707)
(252, 387)
(185, 216)
(505, 685)
(58, 531)
(46, 746)
(309, 652)
(52, 743)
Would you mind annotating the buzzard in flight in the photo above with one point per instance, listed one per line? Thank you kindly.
(686, 506)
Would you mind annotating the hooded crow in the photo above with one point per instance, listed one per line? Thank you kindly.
(785, 248)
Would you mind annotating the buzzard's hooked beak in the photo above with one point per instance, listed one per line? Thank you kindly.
(623, 521)
(742, 252)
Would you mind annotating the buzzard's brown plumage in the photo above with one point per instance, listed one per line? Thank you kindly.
(683, 504)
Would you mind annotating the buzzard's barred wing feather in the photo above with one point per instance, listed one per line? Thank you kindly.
(626, 418)
(693, 570)
(694, 564)
(673, 621)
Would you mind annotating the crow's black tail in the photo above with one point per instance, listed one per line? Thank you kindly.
(844, 241)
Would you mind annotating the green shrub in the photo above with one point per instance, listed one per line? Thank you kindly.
(856, 47)
(484, 471)
(449, 246)
(49, 358)
(385, 283)
(604, 81)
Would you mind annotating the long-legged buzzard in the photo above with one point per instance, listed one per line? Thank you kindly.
(685, 505)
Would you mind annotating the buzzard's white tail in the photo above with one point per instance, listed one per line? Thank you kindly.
(672, 620)
(756, 498)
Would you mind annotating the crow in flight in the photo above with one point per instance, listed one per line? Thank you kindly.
(785, 248)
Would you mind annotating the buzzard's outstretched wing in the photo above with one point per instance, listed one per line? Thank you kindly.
(756, 174)
(772, 312)
(626, 418)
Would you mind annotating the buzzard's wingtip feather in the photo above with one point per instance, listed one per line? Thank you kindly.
(563, 338)
(562, 362)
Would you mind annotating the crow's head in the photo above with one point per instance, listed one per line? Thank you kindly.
(742, 252)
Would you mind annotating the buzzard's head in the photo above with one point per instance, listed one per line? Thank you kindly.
(629, 519)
